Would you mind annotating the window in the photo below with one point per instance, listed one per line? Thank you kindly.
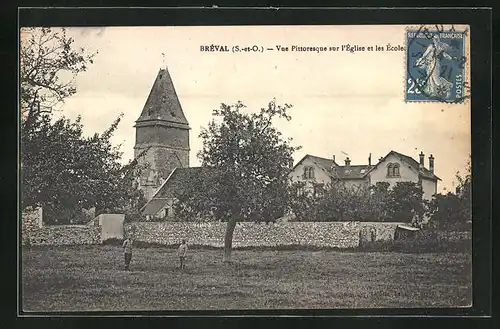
(396, 169)
(393, 170)
(308, 173)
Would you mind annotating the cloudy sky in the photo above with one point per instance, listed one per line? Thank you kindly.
(342, 101)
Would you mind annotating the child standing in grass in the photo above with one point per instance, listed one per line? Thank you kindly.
(181, 252)
(127, 248)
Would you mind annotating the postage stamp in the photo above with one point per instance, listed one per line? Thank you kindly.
(436, 65)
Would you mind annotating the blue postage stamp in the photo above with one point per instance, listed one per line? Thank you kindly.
(435, 65)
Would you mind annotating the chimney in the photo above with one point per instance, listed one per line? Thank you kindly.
(431, 163)
(380, 159)
(370, 160)
(421, 155)
(333, 158)
(347, 162)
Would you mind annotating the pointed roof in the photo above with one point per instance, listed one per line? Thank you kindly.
(423, 172)
(162, 103)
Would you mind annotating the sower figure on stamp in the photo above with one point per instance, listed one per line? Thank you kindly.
(436, 85)
(181, 252)
(127, 248)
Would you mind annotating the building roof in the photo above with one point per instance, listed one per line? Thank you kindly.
(361, 171)
(162, 103)
(334, 170)
(178, 180)
(423, 172)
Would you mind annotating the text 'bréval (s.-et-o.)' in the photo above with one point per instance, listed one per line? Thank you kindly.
(352, 48)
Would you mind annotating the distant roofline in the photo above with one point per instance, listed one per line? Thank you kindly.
(373, 166)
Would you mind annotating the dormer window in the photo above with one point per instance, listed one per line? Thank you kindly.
(393, 170)
(308, 173)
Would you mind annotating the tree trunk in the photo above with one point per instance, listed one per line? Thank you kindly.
(228, 239)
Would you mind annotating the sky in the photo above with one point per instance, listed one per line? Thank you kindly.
(343, 102)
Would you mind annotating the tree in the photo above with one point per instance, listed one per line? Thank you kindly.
(406, 203)
(380, 201)
(251, 162)
(49, 65)
(464, 193)
(335, 202)
(65, 172)
(453, 210)
(60, 169)
(302, 203)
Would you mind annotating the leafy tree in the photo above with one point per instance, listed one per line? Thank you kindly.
(60, 169)
(251, 162)
(303, 203)
(49, 64)
(464, 193)
(341, 202)
(406, 203)
(335, 202)
(65, 172)
(453, 210)
(380, 201)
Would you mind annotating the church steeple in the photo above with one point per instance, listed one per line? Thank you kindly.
(163, 103)
(162, 134)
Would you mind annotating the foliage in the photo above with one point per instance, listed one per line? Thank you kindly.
(65, 172)
(302, 203)
(61, 170)
(406, 203)
(251, 161)
(453, 210)
(49, 66)
(341, 202)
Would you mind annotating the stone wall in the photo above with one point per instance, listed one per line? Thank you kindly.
(454, 235)
(33, 232)
(374, 231)
(63, 235)
(342, 235)
(31, 220)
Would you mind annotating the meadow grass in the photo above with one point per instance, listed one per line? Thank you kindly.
(91, 278)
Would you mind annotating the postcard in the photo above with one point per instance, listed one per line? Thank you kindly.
(270, 167)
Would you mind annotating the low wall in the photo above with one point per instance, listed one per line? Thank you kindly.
(31, 221)
(340, 235)
(375, 231)
(454, 235)
(63, 235)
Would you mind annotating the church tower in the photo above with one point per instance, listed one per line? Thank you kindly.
(162, 135)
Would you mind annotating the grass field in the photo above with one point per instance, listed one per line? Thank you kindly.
(90, 278)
